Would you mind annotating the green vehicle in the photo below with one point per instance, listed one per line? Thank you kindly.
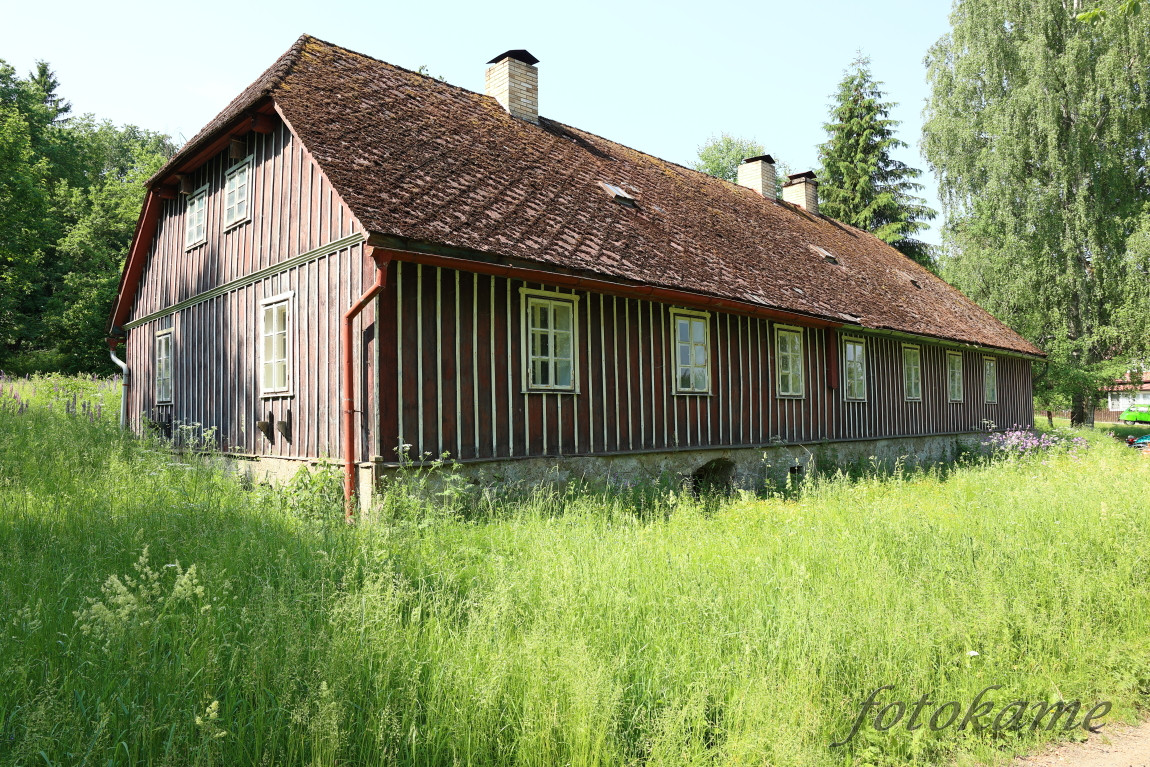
(1135, 414)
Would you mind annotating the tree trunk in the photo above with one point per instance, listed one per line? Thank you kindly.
(1078, 410)
(1050, 418)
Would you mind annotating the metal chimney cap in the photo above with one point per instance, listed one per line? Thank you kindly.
(518, 54)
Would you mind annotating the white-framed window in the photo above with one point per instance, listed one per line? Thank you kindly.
(236, 184)
(788, 361)
(692, 351)
(854, 369)
(550, 337)
(196, 218)
(990, 379)
(164, 366)
(954, 376)
(275, 345)
(912, 372)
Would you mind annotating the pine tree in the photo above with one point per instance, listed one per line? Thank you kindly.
(860, 183)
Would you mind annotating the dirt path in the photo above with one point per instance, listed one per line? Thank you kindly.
(1118, 746)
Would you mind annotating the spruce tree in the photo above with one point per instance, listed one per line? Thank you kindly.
(860, 183)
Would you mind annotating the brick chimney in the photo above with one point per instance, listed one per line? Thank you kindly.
(802, 189)
(513, 81)
(758, 173)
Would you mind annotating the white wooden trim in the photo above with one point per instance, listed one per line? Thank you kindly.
(845, 377)
(902, 355)
(202, 195)
(526, 297)
(801, 393)
(705, 318)
(247, 164)
(994, 362)
(287, 298)
(171, 372)
(953, 354)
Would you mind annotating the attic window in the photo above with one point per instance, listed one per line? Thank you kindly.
(618, 194)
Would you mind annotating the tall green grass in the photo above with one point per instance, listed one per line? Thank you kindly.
(155, 610)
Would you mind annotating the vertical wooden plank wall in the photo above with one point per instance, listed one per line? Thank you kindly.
(450, 371)
(215, 347)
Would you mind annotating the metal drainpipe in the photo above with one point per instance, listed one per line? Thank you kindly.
(349, 478)
(124, 384)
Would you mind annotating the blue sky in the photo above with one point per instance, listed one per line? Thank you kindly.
(658, 76)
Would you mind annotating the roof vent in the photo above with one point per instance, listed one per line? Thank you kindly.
(802, 189)
(618, 194)
(513, 81)
(758, 173)
(826, 254)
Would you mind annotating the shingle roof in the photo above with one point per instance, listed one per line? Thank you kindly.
(423, 160)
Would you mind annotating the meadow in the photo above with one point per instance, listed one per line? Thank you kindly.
(156, 609)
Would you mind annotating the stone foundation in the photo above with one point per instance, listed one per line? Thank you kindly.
(750, 469)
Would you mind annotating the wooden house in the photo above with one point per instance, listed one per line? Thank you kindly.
(354, 261)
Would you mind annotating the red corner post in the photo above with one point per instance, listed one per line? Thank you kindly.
(381, 258)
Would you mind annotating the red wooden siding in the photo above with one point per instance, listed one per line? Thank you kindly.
(451, 367)
(215, 349)
(215, 362)
(293, 210)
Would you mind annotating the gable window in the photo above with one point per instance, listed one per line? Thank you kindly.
(990, 379)
(550, 329)
(912, 372)
(164, 366)
(954, 376)
(275, 357)
(692, 351)
(789, 361)
(854, 369)
(196, 218)
(236, 209)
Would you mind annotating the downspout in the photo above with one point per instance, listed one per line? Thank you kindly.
(349, 475)
(112, 343)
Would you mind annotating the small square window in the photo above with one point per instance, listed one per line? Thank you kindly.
(789, 361)
(236, 207)
(164, 366)
(954, 376)
(550, 328)
(990, 379)
(275, 347)
(692, 362)
(196, 218)
(912, 372)
(854, 369)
